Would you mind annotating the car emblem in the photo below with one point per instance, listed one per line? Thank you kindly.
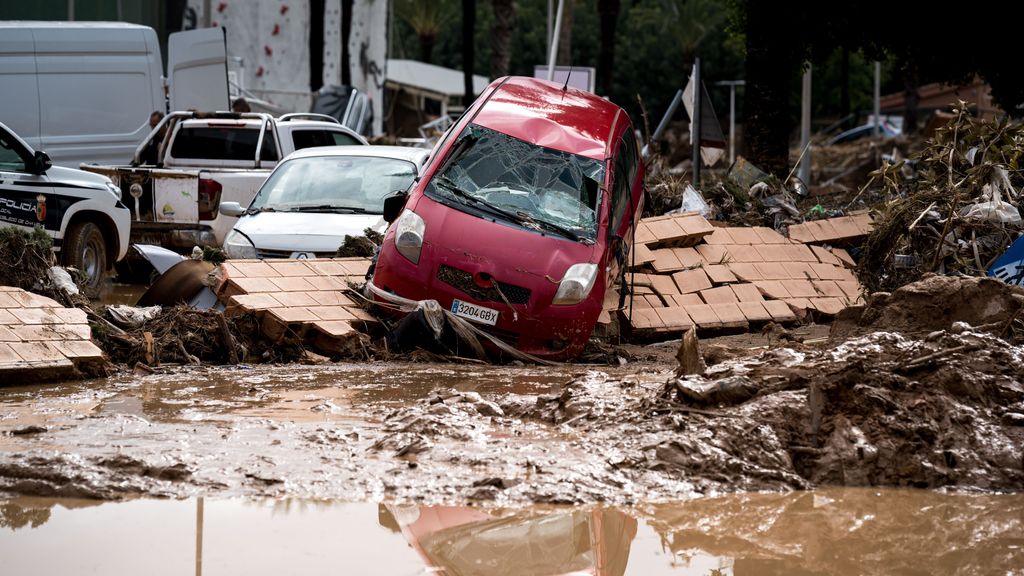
(41, 208)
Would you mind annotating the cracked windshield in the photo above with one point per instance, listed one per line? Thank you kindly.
(539, 188)
(353, 183)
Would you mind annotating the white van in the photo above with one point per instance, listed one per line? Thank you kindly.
(84, 91)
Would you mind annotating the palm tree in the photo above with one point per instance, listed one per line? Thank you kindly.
(565, 35)
(468, 55)
(501, 36)
(608, 10)
(426, 18)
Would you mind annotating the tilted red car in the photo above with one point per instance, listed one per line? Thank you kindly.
(523, 217)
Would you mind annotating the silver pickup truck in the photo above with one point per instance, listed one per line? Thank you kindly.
(193, 161)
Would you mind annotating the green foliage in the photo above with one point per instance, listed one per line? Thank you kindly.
(24, 257)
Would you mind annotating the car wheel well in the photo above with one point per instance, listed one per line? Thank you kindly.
(106, 226)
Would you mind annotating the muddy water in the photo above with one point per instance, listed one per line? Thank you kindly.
(849, 531)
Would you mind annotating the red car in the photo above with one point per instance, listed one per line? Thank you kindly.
(523, 218)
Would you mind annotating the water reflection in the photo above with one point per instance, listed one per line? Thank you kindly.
(825, 532)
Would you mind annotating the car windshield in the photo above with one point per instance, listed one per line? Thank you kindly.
(536, 187)
(356, 183)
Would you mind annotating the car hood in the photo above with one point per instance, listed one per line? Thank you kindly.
(77, 178)
(306, 231)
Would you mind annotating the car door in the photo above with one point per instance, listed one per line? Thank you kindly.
(26, 199)
(197, 70)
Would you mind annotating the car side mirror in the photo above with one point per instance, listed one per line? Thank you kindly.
(393, 205)
(231, 209)
(40, 162)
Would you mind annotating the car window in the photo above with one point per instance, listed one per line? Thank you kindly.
(10, 154)
(320, 137)
(622, 184)
(359, 182)
(222, 143)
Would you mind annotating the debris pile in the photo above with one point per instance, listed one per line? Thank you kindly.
(687, 273)
(957, 212)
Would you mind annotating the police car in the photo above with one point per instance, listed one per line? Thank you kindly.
(81, 211)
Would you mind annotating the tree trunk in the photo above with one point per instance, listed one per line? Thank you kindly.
(316, 44)
(501, 37)
(468, 55)
(769, 68)
(608, 10)
(910, 99)
(346, 35)
(427, 48)
(565, 36)
(844, 87)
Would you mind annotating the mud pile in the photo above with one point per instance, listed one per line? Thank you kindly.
(938, 303)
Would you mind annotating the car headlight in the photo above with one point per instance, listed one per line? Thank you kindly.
(237, 246)
(409, 231)
(114, 190)
(576, 284)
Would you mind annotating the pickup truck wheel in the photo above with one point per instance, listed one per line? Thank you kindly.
(85, 249)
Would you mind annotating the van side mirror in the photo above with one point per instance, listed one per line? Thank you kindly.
(393, 205)
(40, 163)
(231, 209)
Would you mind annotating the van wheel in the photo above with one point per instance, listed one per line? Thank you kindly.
(85, 250)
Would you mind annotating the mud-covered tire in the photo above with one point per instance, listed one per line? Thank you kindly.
(85, 249)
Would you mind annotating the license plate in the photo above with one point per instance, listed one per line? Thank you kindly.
(475, 313)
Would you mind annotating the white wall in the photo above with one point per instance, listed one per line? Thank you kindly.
(368, 50)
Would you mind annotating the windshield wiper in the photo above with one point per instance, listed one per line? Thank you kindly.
(252, 211)
(551, 226)
(329, 208)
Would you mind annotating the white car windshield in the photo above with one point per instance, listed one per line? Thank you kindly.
(535, 187)
(334, 183)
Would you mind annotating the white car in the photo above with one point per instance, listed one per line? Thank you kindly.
(82, 212)
(317, 196)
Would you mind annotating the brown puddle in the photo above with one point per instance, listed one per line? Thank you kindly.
(837, 531)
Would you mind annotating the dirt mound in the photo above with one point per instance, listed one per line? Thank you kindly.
(937, 303)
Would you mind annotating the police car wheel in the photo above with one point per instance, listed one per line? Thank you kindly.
(85, 250)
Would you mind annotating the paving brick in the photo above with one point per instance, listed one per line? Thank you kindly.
(665, 260)
(800, 306)
(825, 256)
(644, 234)
(844, 257)
(6, 318)
(688, 281)
(252, 285)
(36, 351)
(828, 288)
(772, 289)
(713, 253)
(36, 315)
(774, 252)
(780, 311)
(72, 315)
(772, 270)
(800, 253)
(664, 230)
(863, 222)
(293, 284)
(294, 299)
(644, 318)
(8, 335)
(30, 300)
(744, 236)
(823, 231)
(327, 283)
(254, 269)
(830, 306)
(356, 266)
(703, 316)
(719, 273)
(644, 255)
(729, 314)
(846, 228)
(290, 268)
(744, 253)
(719, 236)
(799, 271)
(745, 271)
(664, 285)
(655, 301)
(687, 299)
(640, 302)
(674, 318)
(78, 349)
(769, 236)
(8, 355)
(801, 233)
(828, 272)
(718, 295)
(336, 298)
(334, 328)
(328, 267)
(293, 315)
(231, 271)
(754, 311)
(846, 275)
(41, 332)
(800, 288)
(688, 256)
(850, 289)
(331, 312)
(258, 301)
(747, 292)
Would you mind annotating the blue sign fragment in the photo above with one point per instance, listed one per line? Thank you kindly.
(1010, 266)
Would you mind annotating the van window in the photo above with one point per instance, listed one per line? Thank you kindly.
(318, 137)
(222, 143)
(622, 183)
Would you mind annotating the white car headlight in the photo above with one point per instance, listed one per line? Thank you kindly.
(114, 190)
(409, 231)
(576, 284)
(237, 246)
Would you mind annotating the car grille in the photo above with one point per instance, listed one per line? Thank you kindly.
(462, 280)
(264, 253)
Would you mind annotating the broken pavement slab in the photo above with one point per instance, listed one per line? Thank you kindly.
(42, 340)
(844, 230)
(300, 298)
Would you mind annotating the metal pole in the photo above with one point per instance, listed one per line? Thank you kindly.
(695, 122)
(71, 10)
(661, 125)
(207, 17)
(199, 536)
(878, 96)
(732, 124)
(804, 172)
(553, 45)
(551, 15)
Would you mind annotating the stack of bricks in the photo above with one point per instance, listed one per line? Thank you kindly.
(843, 231)
(731, 278)
(304, 298)
(42, 340)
